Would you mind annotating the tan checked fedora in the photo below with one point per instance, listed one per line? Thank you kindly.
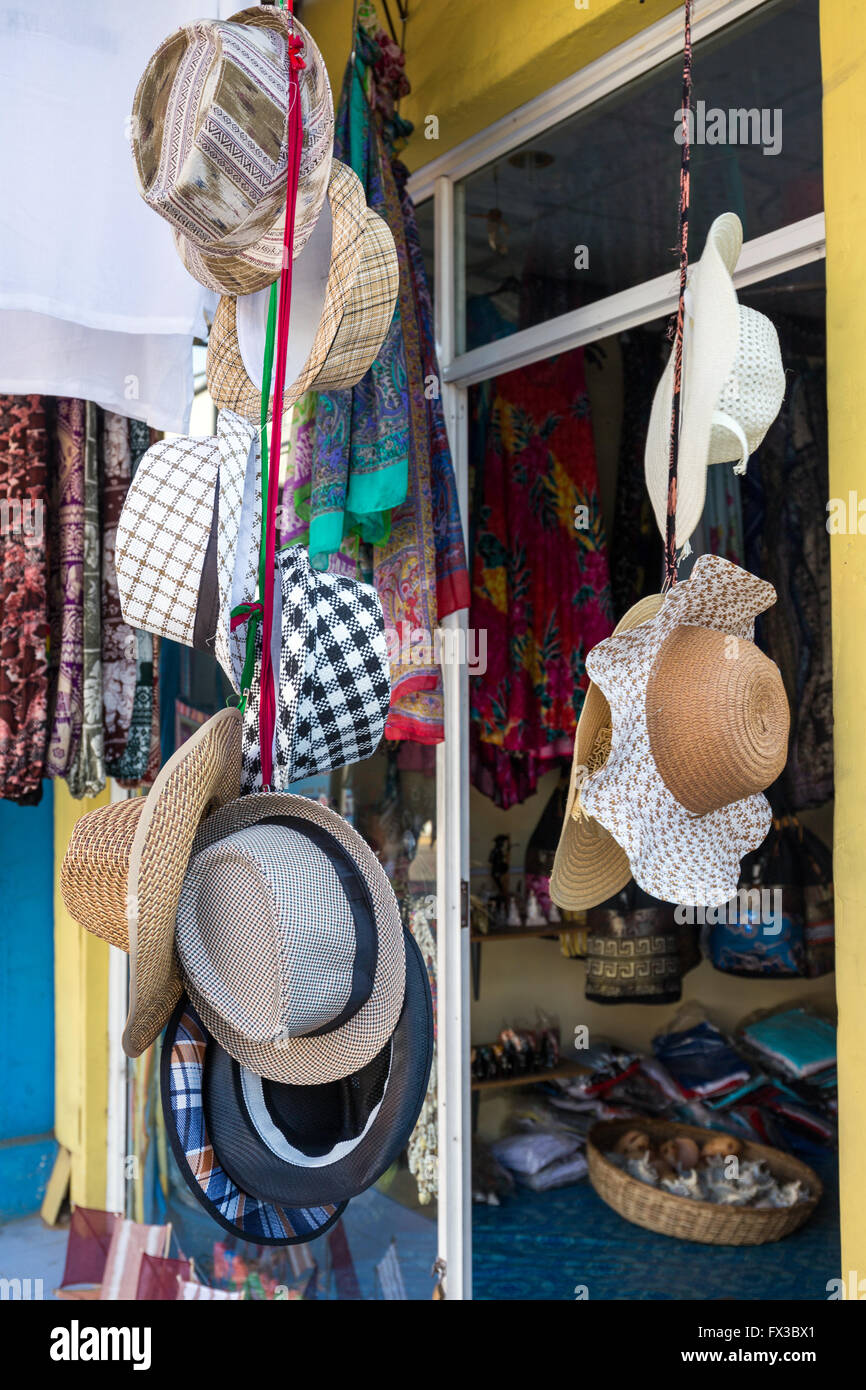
(344, 288)
(125, 863)
(699, 726)
(210, 143)
(290, 940)
(589, 866)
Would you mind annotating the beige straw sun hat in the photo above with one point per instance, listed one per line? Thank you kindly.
(733, 383)
(699, 726)
(344, 288)
(210, 143)
(125, 864)
(590, 866)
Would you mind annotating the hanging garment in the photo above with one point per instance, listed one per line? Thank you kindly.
(784, 502)
(67, 566)
(86, 776)
(23, 597)
(636, 549)
(540, 583)
(111, 319)
(130, 767)
(118, 641)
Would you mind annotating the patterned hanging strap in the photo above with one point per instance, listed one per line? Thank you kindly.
(671, 533)
(278, 328)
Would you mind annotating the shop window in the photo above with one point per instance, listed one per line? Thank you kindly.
(589, 208)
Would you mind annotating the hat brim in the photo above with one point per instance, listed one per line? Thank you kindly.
(230, 383)
(256, 1151)
(182, 1069)
(589, 865)
(709, 350)
(325, 1056)
(125, 863)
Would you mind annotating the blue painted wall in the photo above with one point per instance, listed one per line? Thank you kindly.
(27, 1145)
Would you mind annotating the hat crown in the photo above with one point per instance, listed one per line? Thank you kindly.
(753, 391)
(266, 933)
(717, 718)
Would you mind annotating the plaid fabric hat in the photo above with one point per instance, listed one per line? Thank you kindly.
(188, 539)
(334, 675)
(125, 864)
(210, 143)
(340, 314)
(290, 940)
(306, 1145)
(182, 1070)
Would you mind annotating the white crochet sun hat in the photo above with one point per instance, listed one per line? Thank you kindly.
(733, 383)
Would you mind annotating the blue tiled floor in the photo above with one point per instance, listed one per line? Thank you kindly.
(542, 1245)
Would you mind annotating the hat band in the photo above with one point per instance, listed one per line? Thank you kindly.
(727, 422)
(360, 903)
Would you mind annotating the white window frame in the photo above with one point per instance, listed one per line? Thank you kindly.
(796, 244)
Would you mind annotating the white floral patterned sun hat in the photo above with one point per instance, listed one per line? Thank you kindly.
(699, 727)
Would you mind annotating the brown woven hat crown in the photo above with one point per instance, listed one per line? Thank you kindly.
(125, 863)
(717, 717)
(210, 143)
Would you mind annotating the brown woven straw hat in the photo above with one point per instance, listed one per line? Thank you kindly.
(337, 327)
(699, 726)
(290, 940)
(590, 866)
(125, 864)
(717, 717)
(210, 143)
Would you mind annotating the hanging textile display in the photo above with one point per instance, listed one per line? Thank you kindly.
(118, 640)
(380, 468)
(541, 619)
(67, 563)
(86, 776)
(23, 597)
(129, 768)
(788, 540)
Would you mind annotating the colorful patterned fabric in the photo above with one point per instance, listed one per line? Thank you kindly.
(119, 648)
(539, 574)
(129, 768)
(183, 1063)
(23, 596)
(67, 566)
(785, 491)
(86, 776)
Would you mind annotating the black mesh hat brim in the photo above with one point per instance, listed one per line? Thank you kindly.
(258, 1170)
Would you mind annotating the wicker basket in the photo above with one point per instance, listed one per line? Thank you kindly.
(681, 1216)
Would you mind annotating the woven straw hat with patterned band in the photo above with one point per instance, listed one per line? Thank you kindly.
(210, 142)
(733, 383)
(188, 539)
(290, 940)
(344, 288)
(699, 727)
(125, 864)
(590, 866)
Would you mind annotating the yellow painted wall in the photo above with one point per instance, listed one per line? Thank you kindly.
(81, 1026)
(843, 52)
(470, 62)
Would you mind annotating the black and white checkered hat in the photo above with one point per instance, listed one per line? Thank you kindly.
(290, 940)
(334, 685)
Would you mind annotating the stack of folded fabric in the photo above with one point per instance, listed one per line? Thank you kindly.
(262, 931)
(701, 1060)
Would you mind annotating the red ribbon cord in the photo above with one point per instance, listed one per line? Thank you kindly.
(267, 702)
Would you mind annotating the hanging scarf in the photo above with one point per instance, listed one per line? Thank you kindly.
(130, 767)
(67, 565)
(86, 777)
(118, 640)
(23, 597)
